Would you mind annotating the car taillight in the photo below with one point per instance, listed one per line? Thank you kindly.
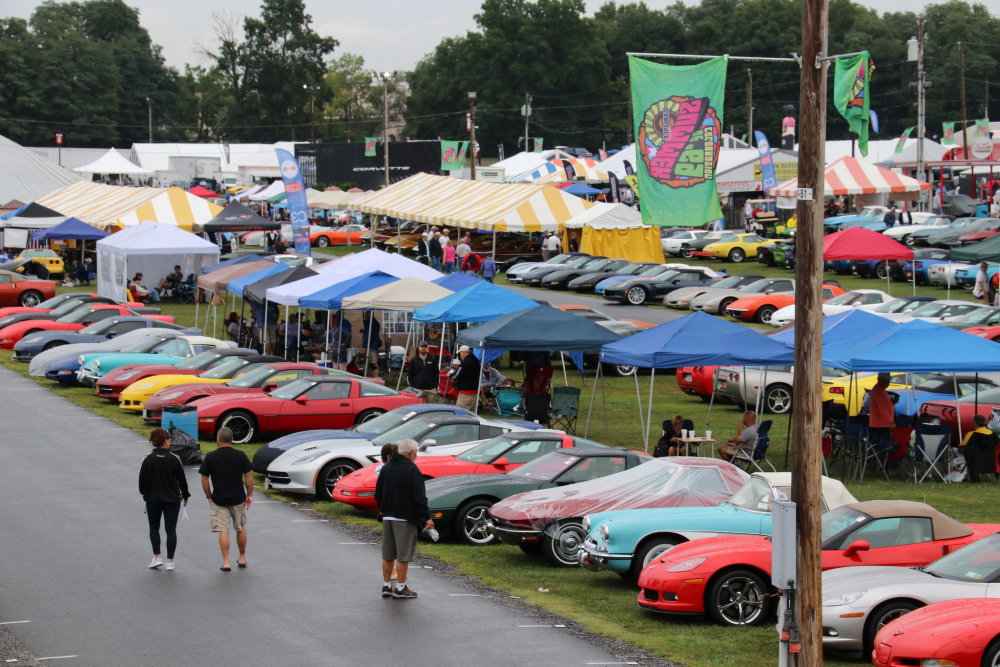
(837, 390)
(734, 377)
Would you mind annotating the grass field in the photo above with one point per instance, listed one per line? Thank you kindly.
(604, 602)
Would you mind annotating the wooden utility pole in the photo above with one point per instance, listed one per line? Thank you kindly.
(807, 403)
(749, 107)
(961, 87)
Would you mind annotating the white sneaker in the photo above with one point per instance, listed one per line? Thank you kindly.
(169, 566)
(157, 562)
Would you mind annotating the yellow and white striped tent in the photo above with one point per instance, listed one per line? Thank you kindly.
(333, 199)
(586, 169)
(173, 207)
(444, 200)
(97, 204)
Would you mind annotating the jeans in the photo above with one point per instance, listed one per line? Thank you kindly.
(435, 262)
(170, 512)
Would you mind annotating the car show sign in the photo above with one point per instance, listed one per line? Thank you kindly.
(298, 208)
(851, 80)
(677, 113)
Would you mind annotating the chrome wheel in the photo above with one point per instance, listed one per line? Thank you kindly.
(740, 597)
(636, 295)
(242, 424)
(563, 545)
(778, 399)
(30, 298)
(331, 474)
(472, 523)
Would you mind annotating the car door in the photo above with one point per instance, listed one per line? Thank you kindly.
(451, 434)
(9, 292)
(904, 541)
(324, 405)
(522, 452)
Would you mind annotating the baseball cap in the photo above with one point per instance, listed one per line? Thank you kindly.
(423, 343)
(465, 348)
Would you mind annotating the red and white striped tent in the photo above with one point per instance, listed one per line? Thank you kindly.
(855, 176)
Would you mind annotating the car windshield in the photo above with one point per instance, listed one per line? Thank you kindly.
(984, 397)
(412, 429)
(977, 316)
(576, 261)
(979, 561)
(929, 309)
(838, 520)
(845, 299)
(199, 360)
(394, 418)
(252, 378)
(870, 210)
(561, 259)
(628, 269)
(756, 495)
(292, 389)
(756, 286)
(898, 306)
(654, 270)
(729, 282)
(99, 327)
(225, 370)
(596, 264)
(546, 468)
(66, 307)
(54, 301)
(77, 316)
(726, 238)
(937, 221)
(144, 345)
(487, 451)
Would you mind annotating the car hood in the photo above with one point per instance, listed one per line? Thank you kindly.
(865, 578)
(361, 448)
(43, 338)
(496, 483)
(315, 435)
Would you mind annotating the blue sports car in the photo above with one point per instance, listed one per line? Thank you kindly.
(169, 352)
(627, 540)
(29, 346)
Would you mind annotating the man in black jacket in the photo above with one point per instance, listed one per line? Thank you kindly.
(402, 501)
(422, 374)
(466, 380)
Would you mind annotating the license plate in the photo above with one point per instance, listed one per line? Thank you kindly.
(723, 385)
(687, 377)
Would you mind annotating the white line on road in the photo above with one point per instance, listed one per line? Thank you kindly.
(464, 595)
(12, 622)
(351, 544)
(58, 657)
(534, 626)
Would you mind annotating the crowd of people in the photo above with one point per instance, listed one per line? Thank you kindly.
(436, 249)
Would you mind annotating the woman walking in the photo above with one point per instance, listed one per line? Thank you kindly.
(163, 486)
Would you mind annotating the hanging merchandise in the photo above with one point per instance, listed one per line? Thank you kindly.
(677, 113)
(851, 80)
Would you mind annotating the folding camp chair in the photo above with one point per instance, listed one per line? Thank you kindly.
(536, 408)
(185, 290)
(507, 402)
(565, 408)
(933, 447)
(751, 458)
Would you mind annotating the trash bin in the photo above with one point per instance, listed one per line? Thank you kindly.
(182, 417)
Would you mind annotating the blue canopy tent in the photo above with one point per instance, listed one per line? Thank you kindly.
(456, 281)
(237, 285)
(849, 325)
(479, 302)
(70, 228)
(331, 298)
(697, 339)
(581, 190)
(235, 260)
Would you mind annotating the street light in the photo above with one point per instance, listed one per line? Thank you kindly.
(472, 130)
(312, 135)
(385, 76)
(149, 105)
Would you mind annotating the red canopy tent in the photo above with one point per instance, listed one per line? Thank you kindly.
(859, 243)
(203, 192)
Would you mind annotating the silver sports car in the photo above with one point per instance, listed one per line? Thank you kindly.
(858, 601)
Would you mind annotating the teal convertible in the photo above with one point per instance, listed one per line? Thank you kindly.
(626, 541)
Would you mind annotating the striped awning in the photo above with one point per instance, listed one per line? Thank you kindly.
(855, 176)
(173, 207)
(97, 204)
(444, 200)
(333, 199)
(555, 172)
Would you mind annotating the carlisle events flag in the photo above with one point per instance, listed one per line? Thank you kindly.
(768, 177)
(677, 114)
(901, 142)
(948, 132)
(370, 146)
(453, 154)
(851, 80)
(295, 191)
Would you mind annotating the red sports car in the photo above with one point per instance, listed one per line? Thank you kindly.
(110, 386)
(500, 454)
(697, 380)
(960, 633)
(991, 332)
(262, 379)
(309, 403)
(74, 321)
(729, 578)
(960, 414)
(17, 290)
(44, 306)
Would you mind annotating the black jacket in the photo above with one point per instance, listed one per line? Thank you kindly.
(400, 492)
(435, 248)
(467, 378)
(161, 478)
(423, 373)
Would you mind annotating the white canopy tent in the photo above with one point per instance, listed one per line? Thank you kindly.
(405, 294)
(151, 249)
(26, 176)
(113, 162)
(275, 188)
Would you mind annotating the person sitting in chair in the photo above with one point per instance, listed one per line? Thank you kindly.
(171, 281)
(140, 291)
(492, 378)
(979, 449)
(668, 445)
(308, 348)
(743, 441)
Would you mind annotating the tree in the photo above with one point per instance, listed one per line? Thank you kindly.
(349, 111)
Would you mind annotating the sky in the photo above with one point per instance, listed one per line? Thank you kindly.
(389, 34)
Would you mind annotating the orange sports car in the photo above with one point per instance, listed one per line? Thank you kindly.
(760, 307)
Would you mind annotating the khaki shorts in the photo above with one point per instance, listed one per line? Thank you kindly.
(399, 540)
(222, 516)
(467, 401)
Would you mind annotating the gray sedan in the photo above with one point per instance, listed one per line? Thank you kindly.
(717, 300)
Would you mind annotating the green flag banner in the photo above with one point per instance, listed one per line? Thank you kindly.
(903, 137)
(983, 127)
(947, 134)
(370, 146)
(677, 114)
(538, 143)
(453, 154)
(851, 80)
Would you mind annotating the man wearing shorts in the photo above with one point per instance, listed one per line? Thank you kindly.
(227, 480)
(402, 499)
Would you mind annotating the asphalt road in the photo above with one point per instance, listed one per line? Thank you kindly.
(75, 590)
(649, 313)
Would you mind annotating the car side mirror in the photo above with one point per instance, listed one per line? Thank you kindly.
(427, 443)
(270, 386)
(856, 547)
(301, 400)
(502, 462)
(111, 334)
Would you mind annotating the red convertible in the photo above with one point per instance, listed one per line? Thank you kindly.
(729, 578)
(309, 403)
(17, 290)
(961, 633)
(262, 379)
(500, 454)
(74, 321)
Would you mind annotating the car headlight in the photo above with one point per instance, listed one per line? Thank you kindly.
(97, 365)
(605, 532)
(172, 395)
(126, 376)
(311, 456)
(31, 339)
(586, 524)
(686, 565)
(846, 598)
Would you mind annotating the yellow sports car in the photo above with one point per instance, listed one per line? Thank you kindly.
(47, 258)
(133, 398)
(852, 389)
(734, 247)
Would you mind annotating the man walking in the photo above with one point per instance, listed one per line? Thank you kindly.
(422, 374)
(227, 480)
(402, 500)
(466, 380)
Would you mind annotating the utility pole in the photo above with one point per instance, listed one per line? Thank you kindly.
(472, 130)
(917, 45)
(750, 108)
(149, 105)
(385, 124)
(961, 85)
(526, 112)
(807, 405)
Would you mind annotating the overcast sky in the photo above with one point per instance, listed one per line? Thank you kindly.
(390, 34)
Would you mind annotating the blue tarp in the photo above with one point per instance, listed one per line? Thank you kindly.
(697, 339)
(236, 260)
(70, 228)
(542, 328)
(849, 325)
(237, 285)
(456, 281)
(479, 302)
(581, 189)
(331, 298)
(916, 346)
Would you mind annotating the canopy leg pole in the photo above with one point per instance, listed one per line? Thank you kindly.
(479, 379)
(298, 336)
(604, 401)
(959, 415)
(286, 331)
(649, 407)
(329, 317)
(638, 400)
(493, 252)
(888, 288)
(406, 350)
(711, 398)
(562, 358)
(263, 331)
(913, 274)
(197, 303)
(947, 278)
(593, 395)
